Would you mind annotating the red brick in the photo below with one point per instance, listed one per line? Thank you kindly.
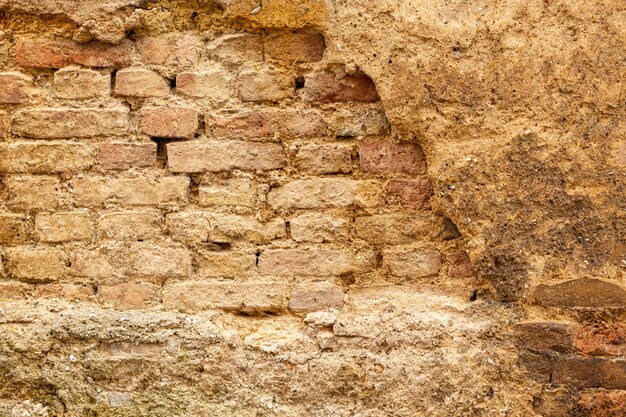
(583, 293)
(541, 336)
(325, 159)
(215, 156)
(601, 339)
(175, 49)
(331, 87)
(603, 404)
(122, 156)
(299, 46)
(13, 229)
(128, 295)
(169, 122)
(285, 123)
(460, 265)
(389, 157)
(584, 372)
(64, 123)
(140, 82)
(266, 85)
(411, 193)
(15, 88)
(58, 53)
(43, 157)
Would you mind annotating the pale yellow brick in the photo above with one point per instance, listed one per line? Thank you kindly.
(326, 192)
(214, 83)
(239, 192)
(225, 264)
(317, 262)
(80, 83)
(140, 82)
(315, 296)
(129, 295)
(35, 264)
(41, 158)
(64, 123)
(13, 229)
(412, 263)
(325, 159)
(63, 227)
(130, 225)
(320, 228)
(395, 229)
(33, 192)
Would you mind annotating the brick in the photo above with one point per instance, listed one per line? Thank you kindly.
(542, 336)
(13, 229)
(265, 124)
(315, 262)
(328, 87)
(174, 49)
(410, 193)
(128, 295)
(248, 298)
(397, 229)
(320, 228)
(79, 83)
(41, 157)
(38, 265)
(215, 84)
(238, 192)
(13, 290)
(299, 46)
(140, 82)
(64, 123)
(165, 191)
(351, 123)
(460, 265)
(16, 88)
(236, 49)
(215, 156)
(123, 156)
(412, 263)
(70, 292)
(584, 372)
(315, 296)
(389, 157)
(603, 404)
(33, 192)
(169, 122)
(601, 339)
(136, 259)
(325, 193)
(130, 225)
(325, 159)
(189, 226)
(63, 227)
(225, 264)
(59, 53)
(266, 85)
(583, 293)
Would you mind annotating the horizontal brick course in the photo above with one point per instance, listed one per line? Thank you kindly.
(324, 193)
(316, 262)
(64, 123)
(169, 122)
(79, 83)
(42, 157)
(122, 156)
(59, 53)
(139, 82)
(63, 227)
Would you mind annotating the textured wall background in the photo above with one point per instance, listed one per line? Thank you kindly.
(311, 207)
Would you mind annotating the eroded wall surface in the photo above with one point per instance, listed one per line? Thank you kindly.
(312, 208)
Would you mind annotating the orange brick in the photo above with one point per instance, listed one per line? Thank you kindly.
(169, 122)
(122, 156)
(58, 53)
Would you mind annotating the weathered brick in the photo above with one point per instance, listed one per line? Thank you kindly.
(79, 83)
(411, 193)
(216, 84)
(95, 191)
(225, 264)
(189, 226)
(299, 46)
(70, 123)
(584, 372)
(130, 225)
(33, 192)
(63, 227)
(315, 262)
(325, 159)
(601, 339)
(70, 292)
(13, 229)
(236, 49)
(396, 229)
(240, 192)
(174, 49)
(16, 88)
(136, 259)
(42, 157)
(59, 53)
(249, 298)
(389, 157)
(215, 156)
(540, 336)
(320, 228)
(330, 87)
(412, 263)
(266, 123)
(460, 265)
(583, 292)
(603, 404)
(266, 85)
(14, 290)
(140, 82)
(325, 192)
(349, 123)
(315, 296)
(123, 156)
(169, 122)
(128, 295)
(35, 264)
